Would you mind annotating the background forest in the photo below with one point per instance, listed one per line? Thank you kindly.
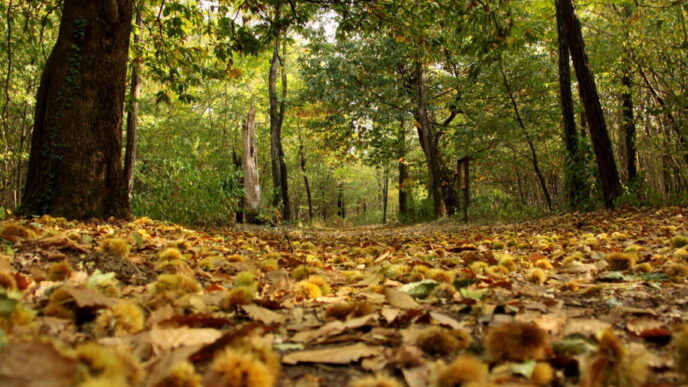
(364, 107)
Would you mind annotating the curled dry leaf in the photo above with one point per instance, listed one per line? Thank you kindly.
(334, 355)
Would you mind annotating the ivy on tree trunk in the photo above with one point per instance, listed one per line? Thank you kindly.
(75, 165)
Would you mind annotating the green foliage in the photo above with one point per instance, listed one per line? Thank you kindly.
(492, 204)
(183, 174)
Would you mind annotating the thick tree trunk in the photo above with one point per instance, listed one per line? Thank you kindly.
(428, 143)
(277, 110)
(302, 165)
(606, 165)
(251, 202)
(576, 188)
(133, 111)
(75, 166)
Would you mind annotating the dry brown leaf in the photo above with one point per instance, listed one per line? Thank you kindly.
(585, 326)
(86, 297)
(334, 355)
(443, 319)
(266, 316)
(390, 314)
(161, 367)
(399, 299)
(164, 339)
(641, 324)
(332, 328)
(35, 364)
(417, 376)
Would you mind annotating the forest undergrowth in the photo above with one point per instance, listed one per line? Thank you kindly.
(596, 299)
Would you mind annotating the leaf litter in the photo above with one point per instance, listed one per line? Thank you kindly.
(595, 299)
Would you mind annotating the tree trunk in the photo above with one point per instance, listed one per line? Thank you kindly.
(277, 110)
(428, 143)
(341, 206)
(75, 166)
(251, 202)
(302, 165)
(531, 146)
(403, 174)
(599, 136)
(576, 188)
(385, 196)
(629, 126)
(133, 111)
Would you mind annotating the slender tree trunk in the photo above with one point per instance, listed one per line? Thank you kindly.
(302, 165)
(251, 202)
(133, 111)
(403, 174)
(385, 196)
(341, 206)
(428, 143)
(576, 188)
(531, 146)
(75, 166)
(277, 110)
(606, 165)
(629, 126)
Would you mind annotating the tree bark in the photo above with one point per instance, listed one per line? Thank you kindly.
(403, 174)
(341, 206)
(576, 188)
(75, 166)
(251, 202)
(277, 110)
(385, 196)
(302, 165)
(599, 136)
(133, 111)
(428, 143)
(628, 124)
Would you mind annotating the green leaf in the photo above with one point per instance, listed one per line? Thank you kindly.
(472, 294)
(139, 240)
(574, 344)
(98, 277)
(614, 276)
(3, 338)
(8, 300)
(655, 277)
(526, 369)
(289, 346)
(420, 289)
(463, 282)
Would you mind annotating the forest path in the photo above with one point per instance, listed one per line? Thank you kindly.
(326, 306)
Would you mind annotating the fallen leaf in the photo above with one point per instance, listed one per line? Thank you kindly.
(266, 316)
(446, 320)
(332, 328)
(335, 355)
(400, 299)
(86, 297)
(35, 364)
(164, 339)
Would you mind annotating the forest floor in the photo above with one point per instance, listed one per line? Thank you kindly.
(580, 299)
